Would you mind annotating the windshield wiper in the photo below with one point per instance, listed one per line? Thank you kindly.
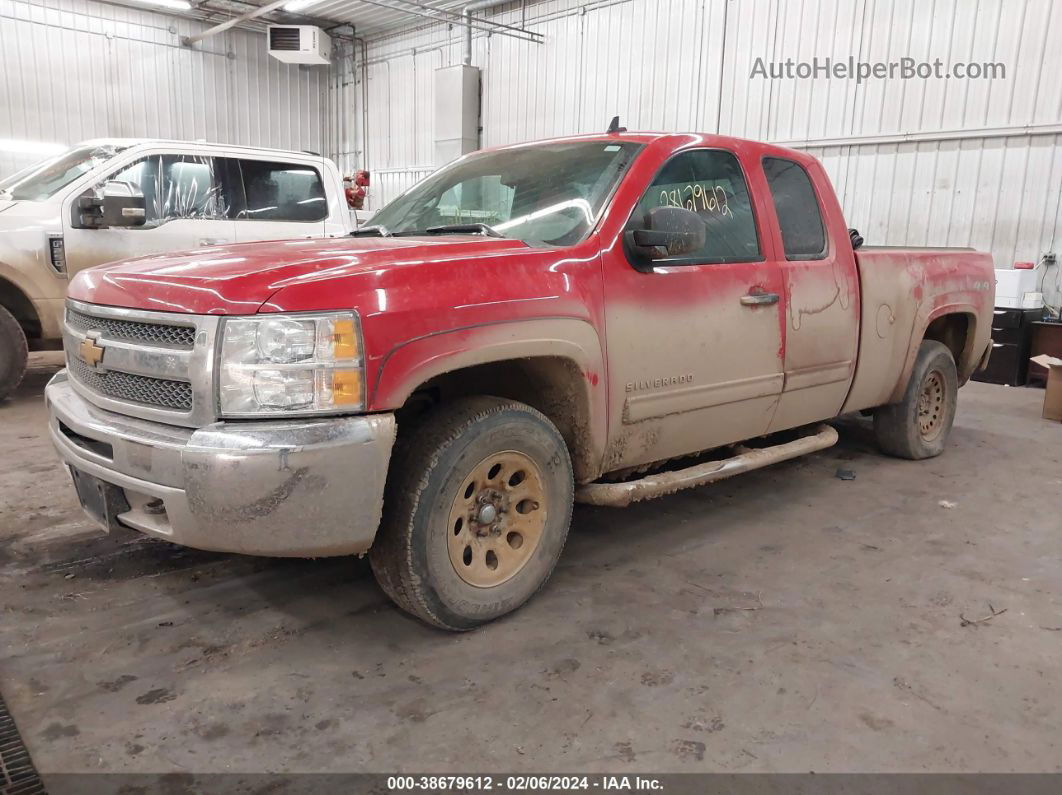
(463, 229)
(372, 230)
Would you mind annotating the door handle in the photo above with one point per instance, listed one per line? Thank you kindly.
(212, 241)
(759, 299)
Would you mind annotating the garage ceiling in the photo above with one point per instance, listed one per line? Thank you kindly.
(381, 16)
(370, 17)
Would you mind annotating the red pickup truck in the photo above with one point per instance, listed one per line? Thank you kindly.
(602, 318)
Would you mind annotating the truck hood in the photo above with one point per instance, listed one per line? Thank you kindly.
(239, 279)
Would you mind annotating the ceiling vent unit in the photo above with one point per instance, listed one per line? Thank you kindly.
(303, 44)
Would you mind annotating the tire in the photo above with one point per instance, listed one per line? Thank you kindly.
(432, 555)
(13, 353)
(918, 426)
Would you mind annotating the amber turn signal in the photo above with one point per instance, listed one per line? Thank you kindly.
(345, 339)
(346, 387)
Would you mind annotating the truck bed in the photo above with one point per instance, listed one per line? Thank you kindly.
(902, 290)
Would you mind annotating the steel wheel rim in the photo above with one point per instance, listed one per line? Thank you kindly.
(931, 402)
(497, 519)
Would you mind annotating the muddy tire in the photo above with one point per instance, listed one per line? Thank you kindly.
(918, 426)
(476, 513)
(13, 353)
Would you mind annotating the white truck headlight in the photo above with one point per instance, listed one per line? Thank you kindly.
(290, 364)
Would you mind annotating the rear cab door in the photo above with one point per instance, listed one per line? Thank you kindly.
(818, 270)
(287, 199)
(187, 201)
(694, 339)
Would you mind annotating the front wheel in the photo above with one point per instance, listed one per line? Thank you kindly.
(918, 426)
(13, 353)
(478, 505)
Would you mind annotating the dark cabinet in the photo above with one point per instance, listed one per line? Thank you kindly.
(1011, 343)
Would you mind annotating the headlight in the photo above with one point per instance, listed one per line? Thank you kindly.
(290, 364)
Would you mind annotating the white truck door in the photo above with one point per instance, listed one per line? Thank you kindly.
(187, 205)
(285, 200)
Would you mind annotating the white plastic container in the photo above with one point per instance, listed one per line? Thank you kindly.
(1012, 285)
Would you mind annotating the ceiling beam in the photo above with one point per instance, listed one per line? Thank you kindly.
(482, 25)
(458, 18)
(254, 13)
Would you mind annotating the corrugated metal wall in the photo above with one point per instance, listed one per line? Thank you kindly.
(919, 162)
(77, 69)
(916, 162)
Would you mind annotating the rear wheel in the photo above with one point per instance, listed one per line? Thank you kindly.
(918, 426)
(477, 510)
(13, 353)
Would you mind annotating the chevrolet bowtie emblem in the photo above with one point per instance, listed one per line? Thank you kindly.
(90, 352)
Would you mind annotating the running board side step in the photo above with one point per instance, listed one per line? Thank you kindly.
(620, 495)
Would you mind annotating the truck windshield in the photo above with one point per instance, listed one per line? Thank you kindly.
(544, 194)
(41, 181)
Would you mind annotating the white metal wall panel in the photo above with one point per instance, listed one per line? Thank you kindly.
(995, 194)
(686, 64)
(393, 182)
(77, 69)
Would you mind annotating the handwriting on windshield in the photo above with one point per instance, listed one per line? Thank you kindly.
(698, 197)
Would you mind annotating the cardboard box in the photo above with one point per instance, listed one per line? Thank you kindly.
(1053, 393)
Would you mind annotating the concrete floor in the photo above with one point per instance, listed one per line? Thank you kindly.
(782, 621)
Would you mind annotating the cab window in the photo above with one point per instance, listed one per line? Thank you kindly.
(710, 184)
(176, 187)
(282, 192)
(797, 207)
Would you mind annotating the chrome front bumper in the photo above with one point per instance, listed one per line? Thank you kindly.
(291, 488)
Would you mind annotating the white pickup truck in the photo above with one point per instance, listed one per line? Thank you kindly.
(112, 199)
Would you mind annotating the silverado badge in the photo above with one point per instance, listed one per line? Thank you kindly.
(90, 352)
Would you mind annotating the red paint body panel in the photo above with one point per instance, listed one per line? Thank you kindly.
(425, 302)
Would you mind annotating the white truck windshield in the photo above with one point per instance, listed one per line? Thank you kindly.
(41, 181)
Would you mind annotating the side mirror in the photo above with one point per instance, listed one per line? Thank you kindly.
(115, 204)
(667, 232)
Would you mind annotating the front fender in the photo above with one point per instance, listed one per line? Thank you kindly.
(410, 364)
(43, 289)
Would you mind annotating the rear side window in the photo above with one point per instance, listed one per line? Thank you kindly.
(803, 235)
(710, 183)
(282, 192)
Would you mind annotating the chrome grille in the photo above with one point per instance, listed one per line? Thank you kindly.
(154, 365)
(134, 331)
(134, 388)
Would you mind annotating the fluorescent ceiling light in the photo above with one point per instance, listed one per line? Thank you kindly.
(176, 5)
(31, 147)
(299, 5)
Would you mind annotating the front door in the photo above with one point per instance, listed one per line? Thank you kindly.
(694, 339)
(186, 207)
